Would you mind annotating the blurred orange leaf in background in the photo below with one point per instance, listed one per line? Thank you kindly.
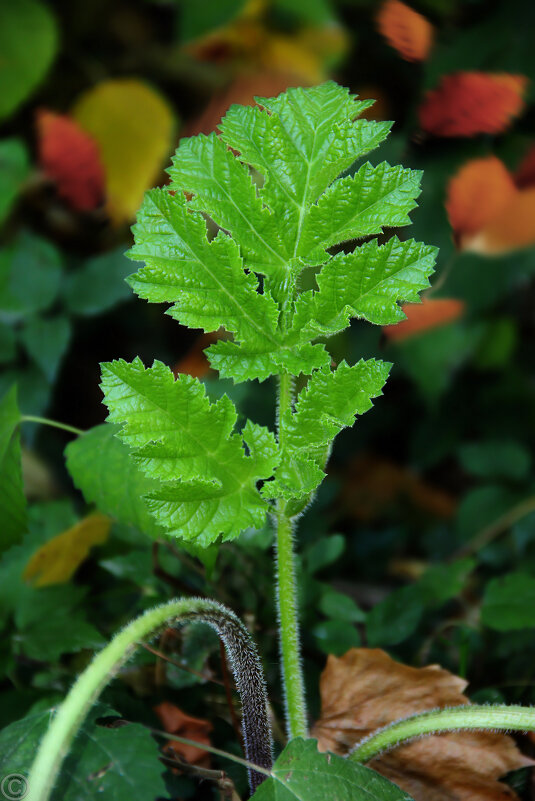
(430, 313)
(470, 103)
(175, 721)
(366, 689)
(489, 214)
(477, 194)
(70, 157)
(407, 31)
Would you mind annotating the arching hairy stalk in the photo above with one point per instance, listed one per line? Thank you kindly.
(246, 669)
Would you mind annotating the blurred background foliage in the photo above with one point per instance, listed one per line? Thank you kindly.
(422, 539)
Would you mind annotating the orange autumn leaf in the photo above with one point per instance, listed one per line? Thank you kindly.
(366, 689)
(512, 229)
(175, 721)
(477, 194)
(407, 31)
(430, 313)
(469, 103)
(70, 157)
(489, 214)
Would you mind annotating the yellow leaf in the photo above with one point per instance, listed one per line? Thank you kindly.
(134, 129)
(57, 560)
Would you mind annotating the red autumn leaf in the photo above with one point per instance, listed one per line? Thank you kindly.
(407, 31)
(525, 174)
(175, 721)
(430, 313)
(366, 689)
(469, 103)
(476, 194)
(70, 157)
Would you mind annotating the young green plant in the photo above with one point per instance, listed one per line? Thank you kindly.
(249, 214)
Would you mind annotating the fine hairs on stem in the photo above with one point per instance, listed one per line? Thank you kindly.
(243, 659)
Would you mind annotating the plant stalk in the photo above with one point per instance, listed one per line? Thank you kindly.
(458, 718)
(243, 659)
(44, 421)
(292, 671)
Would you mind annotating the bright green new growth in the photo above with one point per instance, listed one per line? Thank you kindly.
(225, 244)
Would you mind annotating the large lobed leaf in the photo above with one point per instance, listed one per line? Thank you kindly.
(275, 224)
(206, 481)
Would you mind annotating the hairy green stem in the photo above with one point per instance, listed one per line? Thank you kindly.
(292, 671)
(437, 721)
(243, 658)
(30, 418)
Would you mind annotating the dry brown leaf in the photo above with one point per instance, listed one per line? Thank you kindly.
(366, 689)
(175, 721)
(407, 31)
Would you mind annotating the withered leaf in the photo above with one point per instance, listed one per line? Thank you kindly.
(366, 689)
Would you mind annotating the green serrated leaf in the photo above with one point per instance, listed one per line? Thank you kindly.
(13, 520)
(224, 188)
(209, 288)
(368, 283)
(363, 204)
(306, 141)
(329, 403)
(301, 773)
(207, 483)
